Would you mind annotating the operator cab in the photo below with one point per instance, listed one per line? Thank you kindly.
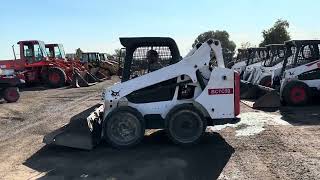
(103, 57)
(144, 55)
(256, 55)
(275, 55)
(55, 51)
(301, 52)
(147, 54)
(90, 57)
(33, 51)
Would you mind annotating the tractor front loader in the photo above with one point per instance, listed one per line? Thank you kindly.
(80, 76)
(37, 67)
(181, 96)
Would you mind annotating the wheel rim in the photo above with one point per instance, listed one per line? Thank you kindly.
(54, 77)
(298, 94)
(12, 95)
(124, 129)
(186, 126)
(267, 83)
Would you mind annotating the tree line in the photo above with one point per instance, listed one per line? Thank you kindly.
(277, 34)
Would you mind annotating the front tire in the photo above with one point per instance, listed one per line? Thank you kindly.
(56, 77)
(185, 124)
(11, 94)
(296, 94)
(124, 127)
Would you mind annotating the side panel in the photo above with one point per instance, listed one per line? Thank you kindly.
(218, 96)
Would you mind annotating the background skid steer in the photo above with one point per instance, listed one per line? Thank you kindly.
(160, 91)
(240, 61)
(300, 82)
(255, 58)
(259, 93)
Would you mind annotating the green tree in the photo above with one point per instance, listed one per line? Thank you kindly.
(119, 52)
(228, 46)
(277, 34)
(78, 53)
(245, 45)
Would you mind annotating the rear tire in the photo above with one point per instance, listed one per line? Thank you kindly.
(56, 77)
(185, 124)
(11, 94)
(296, 94)
(124, 127)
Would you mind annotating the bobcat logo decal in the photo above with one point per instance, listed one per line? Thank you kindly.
(115, 93)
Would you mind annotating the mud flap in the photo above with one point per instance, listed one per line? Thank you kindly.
(264, 97)
(83, 131)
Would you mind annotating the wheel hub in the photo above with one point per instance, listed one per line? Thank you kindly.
(124, 129)
(297, 94)
(54, 77)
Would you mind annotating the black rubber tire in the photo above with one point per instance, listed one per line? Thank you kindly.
(60, 74)
(11, 94)
(288, 91)
(266, 81)
(181, 115)
(125, 113)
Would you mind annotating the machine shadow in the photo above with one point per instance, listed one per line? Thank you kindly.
(38, 87)
(306, 115)
(155, 158)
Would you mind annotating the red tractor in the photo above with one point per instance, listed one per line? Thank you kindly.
(56, 51)
(38, 67)
(9, 82)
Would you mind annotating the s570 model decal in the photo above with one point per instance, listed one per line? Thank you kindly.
(220, 91)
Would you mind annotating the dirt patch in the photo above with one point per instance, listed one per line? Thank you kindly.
(282, 144)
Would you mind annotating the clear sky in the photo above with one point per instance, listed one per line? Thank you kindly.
(96, 25)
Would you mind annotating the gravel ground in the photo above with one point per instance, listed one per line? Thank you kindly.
(282, 144)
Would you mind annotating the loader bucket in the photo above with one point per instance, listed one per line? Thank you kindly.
(77, 134)
(262, 97)
(248, 90)
(98, 74)
(83, 79)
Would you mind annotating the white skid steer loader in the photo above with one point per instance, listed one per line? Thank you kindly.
(256, 57)
(260, 95)
(274, 61)
(159, 90)
(300, 81)
(240, 62)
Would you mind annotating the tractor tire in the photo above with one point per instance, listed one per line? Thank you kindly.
(56, 77)
(185, 124)
(11, 94)
(266, 81)
(124, 127)
(296, 94)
